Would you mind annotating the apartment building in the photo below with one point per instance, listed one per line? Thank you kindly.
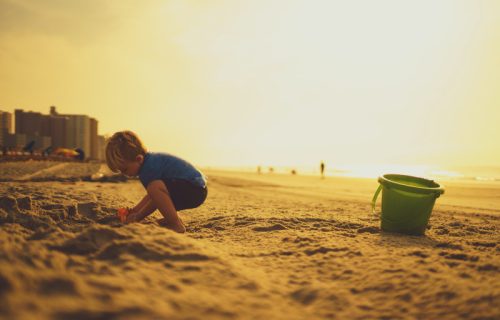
(54, 130)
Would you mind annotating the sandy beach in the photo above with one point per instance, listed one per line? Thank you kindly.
(261, 247)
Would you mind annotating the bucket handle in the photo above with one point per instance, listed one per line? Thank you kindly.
(375, 196)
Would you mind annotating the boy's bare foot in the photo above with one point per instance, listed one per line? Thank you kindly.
(179, 227)
(133, 217)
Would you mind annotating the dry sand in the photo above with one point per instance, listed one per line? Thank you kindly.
(262, 246)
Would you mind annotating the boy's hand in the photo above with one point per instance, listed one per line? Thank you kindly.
(126, 215)
(122, 214)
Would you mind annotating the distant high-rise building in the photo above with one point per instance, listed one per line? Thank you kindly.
(13, 140)
(54, 129)
(81, 132)
(70, 132)
(5, 126)
(29, 123)
(6, 121)
(78, 132)
(58, 131)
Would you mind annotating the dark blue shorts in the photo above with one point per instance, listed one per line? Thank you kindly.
(184, 194)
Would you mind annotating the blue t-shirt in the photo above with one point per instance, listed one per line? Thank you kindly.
(163, 166)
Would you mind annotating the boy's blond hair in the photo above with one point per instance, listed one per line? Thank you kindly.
(123, 146)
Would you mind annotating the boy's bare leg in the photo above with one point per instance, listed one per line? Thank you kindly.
(163, 222)
(160, 196)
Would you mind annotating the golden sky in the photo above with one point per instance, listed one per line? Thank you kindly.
(267, 82)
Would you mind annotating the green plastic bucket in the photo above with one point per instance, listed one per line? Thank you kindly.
(407, 202)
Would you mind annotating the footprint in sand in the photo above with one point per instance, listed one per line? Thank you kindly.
(447, 245)
(57, 286)
(459, 256)
(88, 209)
(244, 221)
(488, 267)
(369, 230)
(216, 223)
(56, 211)
(305, 296)
(324, 250)
(24, 203)
(419, 254)
(274, 227)
(9, 204)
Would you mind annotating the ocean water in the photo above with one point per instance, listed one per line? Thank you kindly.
(464, 173)
(479, 173)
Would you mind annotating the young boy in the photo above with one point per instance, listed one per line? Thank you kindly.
(172, 184)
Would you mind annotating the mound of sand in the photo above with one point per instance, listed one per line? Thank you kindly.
(64, 256)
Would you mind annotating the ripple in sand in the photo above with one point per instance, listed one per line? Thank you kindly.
(118, 250)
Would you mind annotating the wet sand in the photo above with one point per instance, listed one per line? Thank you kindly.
(262, 246)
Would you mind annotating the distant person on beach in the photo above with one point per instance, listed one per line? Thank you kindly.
(172, 184)
(322, 169)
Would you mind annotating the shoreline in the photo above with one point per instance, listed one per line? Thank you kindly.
(470, 196)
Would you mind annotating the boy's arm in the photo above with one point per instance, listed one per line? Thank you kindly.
(143, 209)
(138, 207)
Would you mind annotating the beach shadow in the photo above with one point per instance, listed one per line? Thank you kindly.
(404, 240)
